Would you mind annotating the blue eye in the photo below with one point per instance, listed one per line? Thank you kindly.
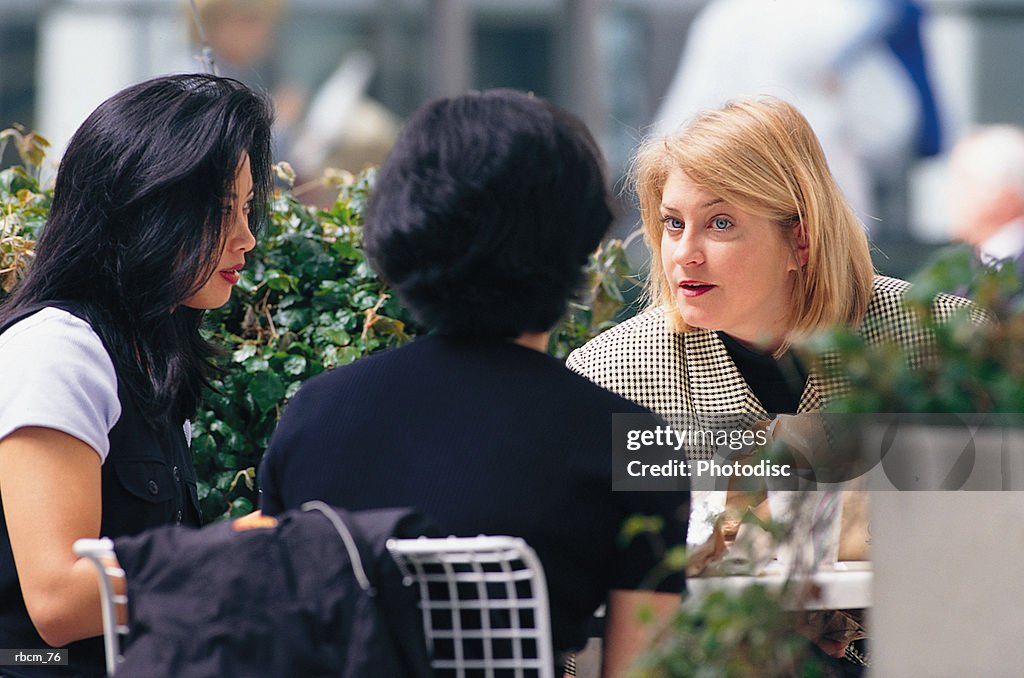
(672, 223)
(721, 223)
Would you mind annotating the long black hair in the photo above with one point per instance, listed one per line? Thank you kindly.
(136, 225)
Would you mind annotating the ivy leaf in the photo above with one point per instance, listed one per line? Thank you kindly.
(637, 525)
(295, 365)
(346, 250)
(337, 336)
(266, 389)
(246, 351)
(281, 281)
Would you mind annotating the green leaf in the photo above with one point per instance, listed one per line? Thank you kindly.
(295, 365)
(281, 281)
(267, 389)
(241, 507)
(337, 336)
(257, 364)
(245, 352)
(346, 250)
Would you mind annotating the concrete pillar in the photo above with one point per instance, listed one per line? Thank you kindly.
(388, 49)
(984, 61)
(584, 80)
(449, 47)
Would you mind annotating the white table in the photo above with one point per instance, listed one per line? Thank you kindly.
(846, 587)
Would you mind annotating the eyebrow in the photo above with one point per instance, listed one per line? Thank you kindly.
(703, 205)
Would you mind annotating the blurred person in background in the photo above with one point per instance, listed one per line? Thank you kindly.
(986, 196)
(242, 35)
(898, 24)
(334, 125)
(864, 113)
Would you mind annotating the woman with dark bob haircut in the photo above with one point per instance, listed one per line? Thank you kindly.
(475, 233)
(482, 218)
(154, 208)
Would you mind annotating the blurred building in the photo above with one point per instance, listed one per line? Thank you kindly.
(610, 61)
(607, 61)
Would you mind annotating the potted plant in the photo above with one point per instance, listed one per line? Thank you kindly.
(946, 560)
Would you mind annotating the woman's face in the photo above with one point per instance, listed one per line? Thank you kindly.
(237, 241)
(729, 270)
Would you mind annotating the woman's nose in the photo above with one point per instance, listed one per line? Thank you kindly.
(689, 249)
(243, 237)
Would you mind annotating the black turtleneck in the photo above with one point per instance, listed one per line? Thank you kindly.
(778, 384)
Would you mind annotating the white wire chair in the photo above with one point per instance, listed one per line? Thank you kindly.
(484, 603)
(101, 552)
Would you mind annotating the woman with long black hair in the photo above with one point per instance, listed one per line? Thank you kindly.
(101, 360)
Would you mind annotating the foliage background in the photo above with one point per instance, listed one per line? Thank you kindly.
(308, 301)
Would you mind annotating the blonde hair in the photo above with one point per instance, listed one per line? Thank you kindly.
(763, 157)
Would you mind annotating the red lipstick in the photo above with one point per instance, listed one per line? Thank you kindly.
(694, 288)
(231, 274)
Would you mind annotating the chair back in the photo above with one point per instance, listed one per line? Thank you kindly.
(112, 595)
(484, 603)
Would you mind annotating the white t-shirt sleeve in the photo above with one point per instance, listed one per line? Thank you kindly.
(55, 373)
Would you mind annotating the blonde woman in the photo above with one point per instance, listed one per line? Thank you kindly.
(752, 246)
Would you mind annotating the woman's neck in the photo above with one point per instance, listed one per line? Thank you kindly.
(538, 341)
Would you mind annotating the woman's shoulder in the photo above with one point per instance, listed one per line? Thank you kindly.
(632, 338)
(888, 318)
(57, 374)
(887, 295)
(642, 359)
(49, 325)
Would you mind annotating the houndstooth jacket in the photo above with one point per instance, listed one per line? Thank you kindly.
(689, 378)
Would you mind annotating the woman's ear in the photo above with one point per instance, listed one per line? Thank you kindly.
(800, 244)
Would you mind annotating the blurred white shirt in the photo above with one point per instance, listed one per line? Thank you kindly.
(787, 48)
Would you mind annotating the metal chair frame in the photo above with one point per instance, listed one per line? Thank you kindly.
(98, 551)
(475, 577)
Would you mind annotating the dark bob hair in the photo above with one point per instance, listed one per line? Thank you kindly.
(485, 212)
(136, 225)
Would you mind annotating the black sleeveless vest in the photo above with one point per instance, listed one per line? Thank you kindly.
(147, 480)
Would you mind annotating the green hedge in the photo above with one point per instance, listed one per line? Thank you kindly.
(308, 301)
